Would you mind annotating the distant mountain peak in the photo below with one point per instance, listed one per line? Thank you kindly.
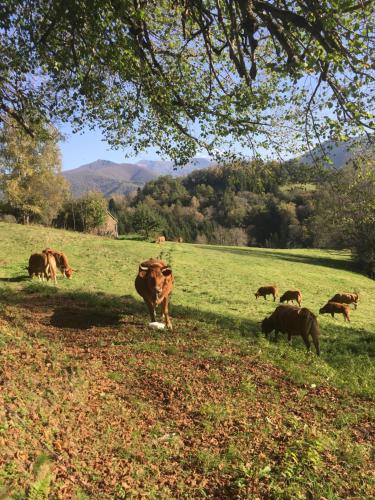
(112, 178)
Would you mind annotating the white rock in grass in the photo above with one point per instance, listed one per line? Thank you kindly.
(157, 325)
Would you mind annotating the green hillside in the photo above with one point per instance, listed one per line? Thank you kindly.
(94, 404)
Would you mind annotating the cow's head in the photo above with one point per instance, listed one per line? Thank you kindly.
(322, 310)
(156, 277)
(68, 272)
(267, 326)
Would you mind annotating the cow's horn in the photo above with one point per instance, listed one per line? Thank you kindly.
(143, 268)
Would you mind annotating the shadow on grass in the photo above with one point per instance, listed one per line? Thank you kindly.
(83, 310)
(15, 279)
(290, 257)
(75, 317)
(82, 319)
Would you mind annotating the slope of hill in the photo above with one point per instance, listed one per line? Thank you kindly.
(94, 404)
(108, 177)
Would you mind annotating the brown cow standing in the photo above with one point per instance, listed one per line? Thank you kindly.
(293, 321)
(42, 265)
(154, 283)
(333, 308)
(292, 295)
(267, 290)
(160, 239)
(345, 298)
(180, 239)
(61, 261)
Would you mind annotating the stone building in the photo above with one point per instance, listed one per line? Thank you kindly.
(108, 228)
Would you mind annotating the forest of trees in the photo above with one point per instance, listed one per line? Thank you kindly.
(267, 204)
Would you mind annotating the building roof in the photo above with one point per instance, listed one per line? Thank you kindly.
(113, 217)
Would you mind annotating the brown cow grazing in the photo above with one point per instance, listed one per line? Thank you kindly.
(160, 239)
(293, 321)
(267, 290)
(42, 265)
(154, 283)
(333, 308)
(61, 262)
(345, 298)
(180, 239)
(292, 295)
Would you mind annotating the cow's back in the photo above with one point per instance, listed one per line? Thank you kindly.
(266, 290)
(345, 298)
(286, 319)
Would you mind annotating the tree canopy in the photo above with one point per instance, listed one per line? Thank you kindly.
(187, 74)
(30, 173)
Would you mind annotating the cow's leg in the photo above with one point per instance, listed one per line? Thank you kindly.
(307, 342)
(265, 297)
(166, 313)
(355, 305)
(346, 316)
(316, 344)
(333, 315)
(151, 309)
(274, 298)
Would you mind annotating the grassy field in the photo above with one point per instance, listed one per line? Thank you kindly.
(94, 404)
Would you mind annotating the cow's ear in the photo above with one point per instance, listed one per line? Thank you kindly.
(166, 271)
(142, 274)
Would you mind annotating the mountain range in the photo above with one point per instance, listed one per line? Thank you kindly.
(339, 153)
(121, 178)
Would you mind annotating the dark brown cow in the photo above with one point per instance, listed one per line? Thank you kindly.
(42, 265)
(267, 290)
(345, 298)
(333, 308)
(160, 239)
(292, 295)
(154, 283)
(293, 321)
(61, 262)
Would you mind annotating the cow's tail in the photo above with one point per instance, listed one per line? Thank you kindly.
(310, 326)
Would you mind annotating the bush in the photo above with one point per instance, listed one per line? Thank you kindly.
(7, 218)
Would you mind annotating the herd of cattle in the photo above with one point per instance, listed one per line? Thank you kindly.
(44, 265)
(294, 320)
(154, 283)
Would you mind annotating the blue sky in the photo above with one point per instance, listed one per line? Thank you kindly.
(78, 149)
